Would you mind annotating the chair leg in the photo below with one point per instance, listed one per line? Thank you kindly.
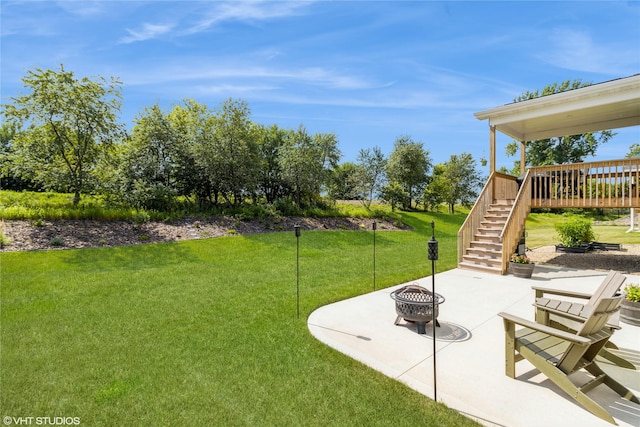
(561, 379)
(614, 385)
(510, 349)
(615, 359)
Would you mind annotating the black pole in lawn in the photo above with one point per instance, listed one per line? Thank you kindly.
(433, 256)
(374, 226)
(297, 230)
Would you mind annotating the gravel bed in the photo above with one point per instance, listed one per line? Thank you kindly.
(626, 260)
(73, 234)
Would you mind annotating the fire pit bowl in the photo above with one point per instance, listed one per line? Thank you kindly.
(415, 304)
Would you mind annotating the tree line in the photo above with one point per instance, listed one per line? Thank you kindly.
(64, 135)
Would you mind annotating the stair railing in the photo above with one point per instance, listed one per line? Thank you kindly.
(513, 227)
(498, 186)
(470, 226)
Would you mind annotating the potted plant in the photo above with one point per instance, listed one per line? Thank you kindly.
(521, 266)
(630, 307)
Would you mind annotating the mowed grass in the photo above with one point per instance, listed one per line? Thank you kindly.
(205, 332)
(541, 231)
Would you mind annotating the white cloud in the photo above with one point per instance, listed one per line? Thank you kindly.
(148, 31)
(258, 10)
(577, 50)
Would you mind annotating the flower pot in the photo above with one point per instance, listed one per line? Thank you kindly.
(630, 312)
(522, 270)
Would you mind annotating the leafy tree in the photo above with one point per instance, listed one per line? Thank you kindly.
(562, 149)
(436, 190)
(342, 183)
(65, 125)
(148, 172)
(455, 181)
(370, 175)
(231, 155)
(271, 182)
(394, 194)
(10, 178)
(306, 162)
(634, 150)
(188, 120)
(408, 165)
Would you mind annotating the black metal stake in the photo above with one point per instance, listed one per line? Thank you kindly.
(433, 256)
(297, 230)
(374, 226)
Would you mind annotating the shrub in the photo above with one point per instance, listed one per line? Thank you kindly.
(632, 293)
(56, 241)
(575, 231)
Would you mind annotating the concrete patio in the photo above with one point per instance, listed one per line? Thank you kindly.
(470, 348)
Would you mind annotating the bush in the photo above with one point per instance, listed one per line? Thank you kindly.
(632, 292)
(575, 231)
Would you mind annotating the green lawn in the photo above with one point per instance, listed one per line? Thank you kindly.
(541, 231)
(205, 332)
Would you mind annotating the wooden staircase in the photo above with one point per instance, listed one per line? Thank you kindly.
(485, 250)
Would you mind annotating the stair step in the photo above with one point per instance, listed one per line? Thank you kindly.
(484, 268)
(492, 241)
(488, 244)
(486, 231)
(492, 224)
(482, 260)
(483, 253)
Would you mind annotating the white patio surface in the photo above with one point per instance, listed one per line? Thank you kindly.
(470, 351)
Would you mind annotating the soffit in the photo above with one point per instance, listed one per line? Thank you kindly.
(609, 105)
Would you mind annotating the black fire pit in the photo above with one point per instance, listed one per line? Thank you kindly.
(415, 304)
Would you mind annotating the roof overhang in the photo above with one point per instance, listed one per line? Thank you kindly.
(609, 105)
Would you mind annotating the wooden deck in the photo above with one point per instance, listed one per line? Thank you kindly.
(486, 240)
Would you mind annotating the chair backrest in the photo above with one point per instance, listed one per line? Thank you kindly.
(600, 315)
(608, 288)
(595, 326)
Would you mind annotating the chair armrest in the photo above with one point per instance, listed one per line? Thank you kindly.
(510, 318)
(540, 291)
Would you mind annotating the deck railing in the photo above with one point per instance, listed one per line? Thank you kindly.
(606, 184)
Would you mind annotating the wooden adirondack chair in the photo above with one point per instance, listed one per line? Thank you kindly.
(558, 354)
(573, 310)
(547, 310)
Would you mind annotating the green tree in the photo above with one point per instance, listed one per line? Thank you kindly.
(229, 152)
(435, 194)
(188, 121)
(393, 194)
(634, 151)
(455, 181)
(148, 162)
(65, 126)
(370, 175)
(10, 178)
(562, 149)
(271, 182)
(307, 161)
(409, 165)
(342, 183)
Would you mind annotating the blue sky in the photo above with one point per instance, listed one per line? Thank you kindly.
(368, 71)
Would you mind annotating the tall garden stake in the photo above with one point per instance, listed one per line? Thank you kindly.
(433, 256)
(374, 226)
(297, 229)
